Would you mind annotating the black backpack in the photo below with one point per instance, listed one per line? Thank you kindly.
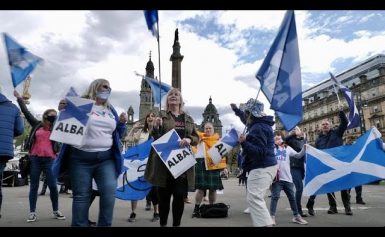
(216, 210)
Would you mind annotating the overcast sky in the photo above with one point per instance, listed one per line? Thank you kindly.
(222, 52)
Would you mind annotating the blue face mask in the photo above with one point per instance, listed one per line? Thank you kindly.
(103, 95)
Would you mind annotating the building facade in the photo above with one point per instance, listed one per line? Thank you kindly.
(367, 83)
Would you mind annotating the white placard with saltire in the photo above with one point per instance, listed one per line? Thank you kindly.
(223, 146)
(177, 159)
(71, 124)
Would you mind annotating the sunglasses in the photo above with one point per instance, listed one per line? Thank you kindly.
(106, 87)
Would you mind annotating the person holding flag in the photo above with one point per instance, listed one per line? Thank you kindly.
(42, 152)
(137, 135)
(329, 138)
(259, 160)
(157, 173)
(204, 178)
(99, 157)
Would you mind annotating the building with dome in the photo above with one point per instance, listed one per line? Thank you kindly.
(210, 114)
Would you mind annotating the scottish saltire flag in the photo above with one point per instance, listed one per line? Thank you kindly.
(72, 123)
(177, 159)
(131, 183)
(159, 90)
(354, 115)
(152, 21)
(223, 146)
(21, 61)
(72, 92)
(280, 74)
(345, 167)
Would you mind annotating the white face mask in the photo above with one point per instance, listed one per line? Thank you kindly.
(103, 95)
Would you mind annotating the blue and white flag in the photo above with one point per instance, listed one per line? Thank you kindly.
(72, 122)
(345, 167)
(21, 61)
(177, 159)
(223, 146)
(152, 22)
(280, 74)
(354, 115)
(159, 90)
(72, 92)
(131, 183)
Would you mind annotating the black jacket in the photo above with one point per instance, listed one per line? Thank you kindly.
(334, 137)
(35, 124)
(297, 144)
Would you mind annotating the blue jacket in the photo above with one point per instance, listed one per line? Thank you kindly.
(258, 148)
(334, 137)
(11, 125)
(61, 164)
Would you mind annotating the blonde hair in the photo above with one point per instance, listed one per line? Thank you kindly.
(165, 102)
(93, 89)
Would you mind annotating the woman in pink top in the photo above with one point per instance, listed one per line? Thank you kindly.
(42, 152)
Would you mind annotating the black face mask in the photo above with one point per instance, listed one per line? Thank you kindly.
(51, 118)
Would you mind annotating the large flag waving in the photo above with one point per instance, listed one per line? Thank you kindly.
(159, 90)
(345, 167)
(131, 183)
(21, 61)
(152, 22)
(280, 74)
(354, 116)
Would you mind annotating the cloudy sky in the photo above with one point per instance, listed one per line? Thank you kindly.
(222, 52)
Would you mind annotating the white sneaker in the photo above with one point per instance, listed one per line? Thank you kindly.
(32, 217)
(299, 220)
(58, 215)
(247, 210)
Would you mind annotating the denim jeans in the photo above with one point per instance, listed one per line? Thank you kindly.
(84, 167)
(288, 188)
(39, 164)
(2, 167)
(297, 175)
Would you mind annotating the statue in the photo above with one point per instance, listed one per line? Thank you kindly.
(26, 95)
(176, 36)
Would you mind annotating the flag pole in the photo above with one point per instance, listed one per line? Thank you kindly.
(335, 91)
(160, 78)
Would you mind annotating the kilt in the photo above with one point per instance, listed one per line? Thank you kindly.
(207, 179)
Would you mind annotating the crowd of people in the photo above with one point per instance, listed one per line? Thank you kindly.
(268, 160)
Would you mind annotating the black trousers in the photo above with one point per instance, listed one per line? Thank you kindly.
(177, 189)
(345, 199)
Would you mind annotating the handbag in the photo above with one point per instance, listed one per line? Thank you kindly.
(216, 210)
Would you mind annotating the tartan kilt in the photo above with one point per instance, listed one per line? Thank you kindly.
(207, 179)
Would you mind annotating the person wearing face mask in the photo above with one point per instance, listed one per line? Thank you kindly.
(42, 152)
(99, 157)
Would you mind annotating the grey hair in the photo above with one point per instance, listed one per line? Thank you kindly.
(164, 100)
(92, 89)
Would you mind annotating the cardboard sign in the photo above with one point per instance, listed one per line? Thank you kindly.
(71, 125)
(177, 159)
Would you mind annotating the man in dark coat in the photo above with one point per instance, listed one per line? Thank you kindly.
(330, 138)
(11, 125)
